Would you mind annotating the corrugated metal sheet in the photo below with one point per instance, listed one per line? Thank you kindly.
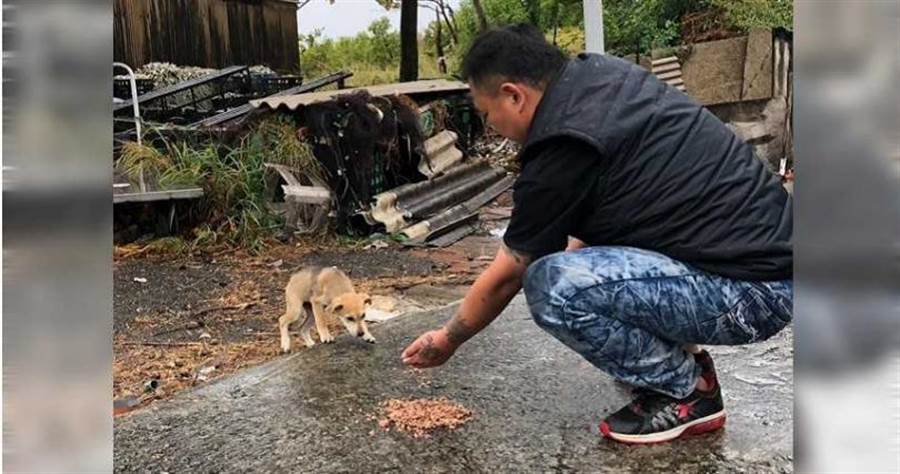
(412, 89)
(456, 221)
(419, 209)
(669, 70)
(441, 153)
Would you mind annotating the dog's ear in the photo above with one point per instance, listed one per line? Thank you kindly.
(367, 300)
(335, 306)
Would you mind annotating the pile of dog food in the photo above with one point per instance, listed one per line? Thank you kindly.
(421, 417)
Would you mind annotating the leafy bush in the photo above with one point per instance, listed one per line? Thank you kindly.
(746, 14)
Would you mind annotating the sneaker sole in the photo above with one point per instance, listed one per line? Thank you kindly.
(699, 426)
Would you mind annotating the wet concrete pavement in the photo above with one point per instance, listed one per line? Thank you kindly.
(534, 404)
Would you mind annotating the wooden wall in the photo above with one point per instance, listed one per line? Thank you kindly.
(208, 33)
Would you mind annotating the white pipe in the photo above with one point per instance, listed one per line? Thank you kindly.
(593, 26)
(134, 101)
(137, 114)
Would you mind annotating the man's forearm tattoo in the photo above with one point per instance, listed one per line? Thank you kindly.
(429, 352)
(521, 258)
(459, 332)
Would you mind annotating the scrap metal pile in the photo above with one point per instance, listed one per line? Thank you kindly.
(394, 166)
(390, 158)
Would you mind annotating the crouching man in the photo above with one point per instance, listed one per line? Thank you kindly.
(682, 234)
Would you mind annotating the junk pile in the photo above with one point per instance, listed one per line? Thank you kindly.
(388, 158)
(185, 105)
(391, 165)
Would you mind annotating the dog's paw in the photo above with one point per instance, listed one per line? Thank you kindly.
(309, 344)
(327, 338)
(285, 342)
(368, 338)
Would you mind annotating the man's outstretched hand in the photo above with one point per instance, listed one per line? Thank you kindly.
(429, 350)
(485, 300)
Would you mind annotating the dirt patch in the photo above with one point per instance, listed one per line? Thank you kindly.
(164, 287)
(176, 367)
(371, 263)
(184, 321)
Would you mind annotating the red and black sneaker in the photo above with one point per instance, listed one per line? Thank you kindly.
(655, 418)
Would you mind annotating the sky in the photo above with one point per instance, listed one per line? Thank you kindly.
(349, 17)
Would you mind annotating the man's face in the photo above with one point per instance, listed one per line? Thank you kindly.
(507, 108)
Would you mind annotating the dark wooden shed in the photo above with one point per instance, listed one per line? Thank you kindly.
(207, 33)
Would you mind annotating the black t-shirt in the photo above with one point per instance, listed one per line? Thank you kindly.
(552, 197)
(566, 188)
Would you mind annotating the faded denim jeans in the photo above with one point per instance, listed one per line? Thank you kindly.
(629, 311)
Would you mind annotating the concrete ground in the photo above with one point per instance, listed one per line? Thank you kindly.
(534, 405)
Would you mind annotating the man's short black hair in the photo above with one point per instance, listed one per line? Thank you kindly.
(517, 53)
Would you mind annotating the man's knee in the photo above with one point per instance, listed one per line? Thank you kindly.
(542, 287)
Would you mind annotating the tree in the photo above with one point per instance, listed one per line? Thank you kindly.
(383, 44)
(409, 41)
(442, 8)
(438, 35)
(479, 12)
(533, 7)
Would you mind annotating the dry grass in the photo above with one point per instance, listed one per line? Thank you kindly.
(179, 367)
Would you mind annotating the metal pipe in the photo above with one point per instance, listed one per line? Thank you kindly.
(137, 114)
(134, 102)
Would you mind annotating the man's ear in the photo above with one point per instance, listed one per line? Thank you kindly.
(515, 93)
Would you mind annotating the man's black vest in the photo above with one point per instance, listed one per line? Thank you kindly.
(676, 180)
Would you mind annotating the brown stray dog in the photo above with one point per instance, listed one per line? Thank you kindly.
(329, 294)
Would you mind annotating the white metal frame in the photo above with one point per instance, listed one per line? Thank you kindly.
(134, 101)
(137, 111)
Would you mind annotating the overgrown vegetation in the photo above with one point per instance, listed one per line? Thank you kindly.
(373, 56)
(233, 209)
(631, 27)
(745, 14)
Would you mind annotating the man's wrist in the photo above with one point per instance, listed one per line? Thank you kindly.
(458, 332)
(446, 337)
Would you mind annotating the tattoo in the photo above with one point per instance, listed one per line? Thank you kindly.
(458, 332)
(521, 258)
(429, 352)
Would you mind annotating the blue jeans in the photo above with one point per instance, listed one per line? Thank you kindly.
(629, 312)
